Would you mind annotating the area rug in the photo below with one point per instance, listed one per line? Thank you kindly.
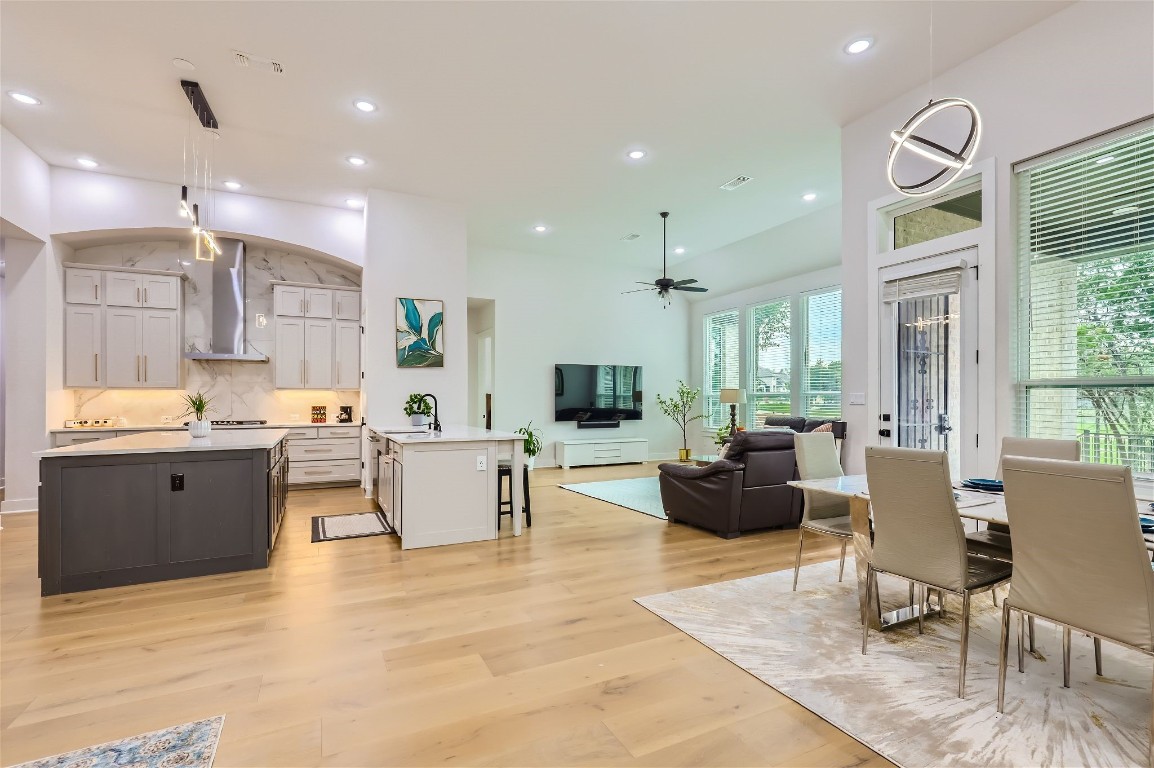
(353, 526)
(901, 699)
(641, 494)
(192, 745)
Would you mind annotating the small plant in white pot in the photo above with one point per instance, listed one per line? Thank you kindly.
(418, 409)
(532, 443)
(197, 406)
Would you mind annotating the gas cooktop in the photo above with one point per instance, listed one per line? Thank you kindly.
(234, 422)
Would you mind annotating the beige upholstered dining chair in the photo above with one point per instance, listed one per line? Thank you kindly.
(823, 513)
(1079, 558)
(918, 535)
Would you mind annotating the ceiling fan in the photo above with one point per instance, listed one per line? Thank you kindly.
(663, 285)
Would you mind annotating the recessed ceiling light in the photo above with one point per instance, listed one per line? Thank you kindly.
(354, 160)
(540, 229)
(637, 154)
(24, 98)
(365, 106)
(809, 197)
(184, 64)
(353, 202)
(1106, 159)
(232, 184)
(87, 163)
(679, 250)
(859, 46)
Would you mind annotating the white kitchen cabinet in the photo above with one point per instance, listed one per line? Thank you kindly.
(160, 292)
(288, 301)
(347, 368)
(160, 348)
(347, 305)
(82, 336)
(290, 353)
(123, 289)
(122, 347)
(318, 302)
(82, 286)
(318, 354)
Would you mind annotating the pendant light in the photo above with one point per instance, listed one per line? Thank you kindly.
(954, 162)
(206, 247)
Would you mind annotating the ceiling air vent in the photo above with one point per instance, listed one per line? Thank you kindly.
(631, 236)
(242, 59)
(734, 183)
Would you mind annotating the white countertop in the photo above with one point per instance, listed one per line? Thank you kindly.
(176, 426)
(448, 434)
(174, 442)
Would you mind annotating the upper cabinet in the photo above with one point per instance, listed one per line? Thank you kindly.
(317, 337)
(122, 328)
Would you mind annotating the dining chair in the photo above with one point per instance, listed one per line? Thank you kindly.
(1079, 558)
(823, 513)
(918, 535)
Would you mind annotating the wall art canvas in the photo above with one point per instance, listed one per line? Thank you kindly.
(420, 333)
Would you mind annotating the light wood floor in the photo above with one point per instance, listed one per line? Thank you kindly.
(519, 652)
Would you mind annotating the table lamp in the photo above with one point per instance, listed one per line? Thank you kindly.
(732, 397)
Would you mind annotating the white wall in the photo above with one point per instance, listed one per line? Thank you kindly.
(1079, 72)
(85, 201)
(414, 248)
(551, 310)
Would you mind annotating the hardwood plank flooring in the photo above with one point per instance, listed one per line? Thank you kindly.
(523, 651)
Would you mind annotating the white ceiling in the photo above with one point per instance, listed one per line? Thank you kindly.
(520, 111)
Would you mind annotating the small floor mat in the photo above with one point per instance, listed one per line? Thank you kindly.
(351, 526)
(192, 745)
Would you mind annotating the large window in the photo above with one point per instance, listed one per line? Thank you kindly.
(1086, 276)
(821, 379)
(770, 341)
(722, 363)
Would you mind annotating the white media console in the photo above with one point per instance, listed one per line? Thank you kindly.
(603, 450)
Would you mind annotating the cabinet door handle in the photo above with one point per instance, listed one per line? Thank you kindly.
(308, 305)
(146, 367)
(96, 291)
(318, 450)
(138, 367)
(304, 374)
(318, 472)
(146, 297)
(96, 366)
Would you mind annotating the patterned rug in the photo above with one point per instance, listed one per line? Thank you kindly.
(901, 699)
(192, 745)
(641, 494)
(352, 526)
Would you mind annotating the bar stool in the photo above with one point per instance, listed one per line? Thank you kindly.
(505, 505)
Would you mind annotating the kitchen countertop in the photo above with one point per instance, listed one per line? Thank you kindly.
(173, 442)
(176, 426)
(448, 434)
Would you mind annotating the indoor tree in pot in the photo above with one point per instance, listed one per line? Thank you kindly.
(532, 443)
(197, 406)
(677, 408)
(418, 409)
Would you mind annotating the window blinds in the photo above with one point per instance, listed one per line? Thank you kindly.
(1086, 300)
(821, 378)
(918, 286)
(722, 363)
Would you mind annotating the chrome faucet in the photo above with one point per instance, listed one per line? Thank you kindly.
(436, 418)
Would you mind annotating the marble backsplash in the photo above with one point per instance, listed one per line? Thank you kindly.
(238, 390)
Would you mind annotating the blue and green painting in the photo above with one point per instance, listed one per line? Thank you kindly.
(420, 333)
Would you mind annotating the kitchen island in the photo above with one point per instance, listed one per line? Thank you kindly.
(154, 506)
(441, 487)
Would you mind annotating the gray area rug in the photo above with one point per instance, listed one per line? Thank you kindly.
(641, 494)
(191, 745)
(351, 526)
(900, 700)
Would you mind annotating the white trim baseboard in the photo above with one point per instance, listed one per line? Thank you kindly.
(12, 506)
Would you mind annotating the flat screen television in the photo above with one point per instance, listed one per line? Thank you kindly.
(597, 393)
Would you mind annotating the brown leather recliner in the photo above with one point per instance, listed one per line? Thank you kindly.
(743, 492)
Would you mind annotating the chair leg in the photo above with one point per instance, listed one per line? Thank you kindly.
(1098, 659)
(1021, 641)
(994, 596)
(1030, 621)
(871, 582)
(941, 603)
(965, 645)
(921, 609)
(841, 565)
(528, 504)
(797, 561)
(1003, 652)
(1065, 657)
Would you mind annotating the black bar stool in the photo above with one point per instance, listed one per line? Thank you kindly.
(505, 505)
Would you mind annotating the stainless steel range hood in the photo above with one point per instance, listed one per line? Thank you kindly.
(223, 279)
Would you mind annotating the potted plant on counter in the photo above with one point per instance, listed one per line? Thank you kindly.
(677, 408)
(197, 406)
(532, 443)
(418, 409)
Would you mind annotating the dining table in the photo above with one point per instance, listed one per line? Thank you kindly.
(982, 506)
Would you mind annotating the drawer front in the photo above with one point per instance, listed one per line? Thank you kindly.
(302, 433)
(607, 449)
(329, 432)
(86, 436)
(323, 471)
(320, 450)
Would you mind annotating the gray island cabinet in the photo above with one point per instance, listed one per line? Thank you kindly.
(155, 506)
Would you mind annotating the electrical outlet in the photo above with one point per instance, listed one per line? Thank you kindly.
(480, 463)
(165, 419)
(294, 417)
